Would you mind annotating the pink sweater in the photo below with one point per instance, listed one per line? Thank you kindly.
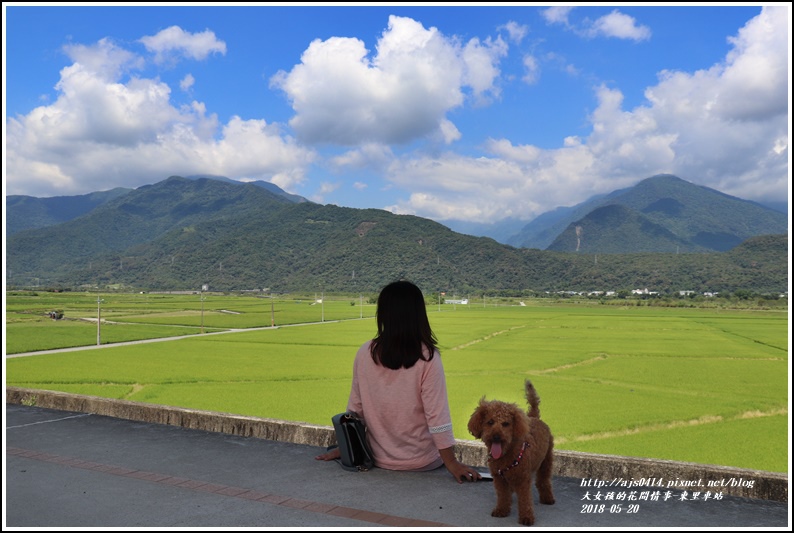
(406, 410)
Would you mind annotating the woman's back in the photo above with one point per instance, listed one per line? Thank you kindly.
(406, 410)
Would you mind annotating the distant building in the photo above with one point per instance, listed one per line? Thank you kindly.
(643, 291)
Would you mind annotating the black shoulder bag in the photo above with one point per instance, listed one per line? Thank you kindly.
(351, 437)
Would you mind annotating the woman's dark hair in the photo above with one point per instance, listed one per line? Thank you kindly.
(403, 327)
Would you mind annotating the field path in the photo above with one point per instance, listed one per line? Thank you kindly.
(164, 339)
(709, 419)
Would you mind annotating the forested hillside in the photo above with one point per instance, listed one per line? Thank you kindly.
(180, 234)
(662, 213)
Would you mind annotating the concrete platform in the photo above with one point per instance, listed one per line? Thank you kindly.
(80, 467)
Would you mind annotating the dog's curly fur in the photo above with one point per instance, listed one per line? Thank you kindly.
(504, 427)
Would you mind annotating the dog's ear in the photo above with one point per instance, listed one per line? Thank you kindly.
(520, 423)
(476, 419)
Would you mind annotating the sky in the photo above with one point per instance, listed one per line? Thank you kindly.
(460, 112)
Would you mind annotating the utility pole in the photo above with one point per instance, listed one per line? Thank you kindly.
(98, 320)
(272, 312)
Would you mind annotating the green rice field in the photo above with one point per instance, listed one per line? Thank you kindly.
(703, 385)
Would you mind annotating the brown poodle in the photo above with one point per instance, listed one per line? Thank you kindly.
(520, 445)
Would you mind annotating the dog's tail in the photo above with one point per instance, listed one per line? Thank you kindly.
(532, 399)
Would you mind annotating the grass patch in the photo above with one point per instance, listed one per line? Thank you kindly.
(33, 336)
(679, 384)
(733, 442)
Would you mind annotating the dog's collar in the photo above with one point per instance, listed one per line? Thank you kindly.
(502, 471)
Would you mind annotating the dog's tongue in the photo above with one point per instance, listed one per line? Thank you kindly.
(496, 450)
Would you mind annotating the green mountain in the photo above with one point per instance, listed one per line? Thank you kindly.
(759, 264)
(140, 216)
(275, 189)
(181, 233)
(28, 212)
(696, 218)
(614, 228)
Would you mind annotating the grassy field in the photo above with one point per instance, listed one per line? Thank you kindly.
(129, 317)
(709, 386)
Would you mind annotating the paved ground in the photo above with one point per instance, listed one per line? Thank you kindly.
(67, 469)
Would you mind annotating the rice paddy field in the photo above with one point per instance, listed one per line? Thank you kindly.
(702, 385)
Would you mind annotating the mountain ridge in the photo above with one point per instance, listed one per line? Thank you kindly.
(663, 200)
(29, 212)
(181, 234)
(700, 217)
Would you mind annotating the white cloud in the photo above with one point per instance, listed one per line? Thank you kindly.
(105, 130)
(481, 65)
(342, 96)
(531, 69)
(616, 24)
(255, 149)
(515, 31)
(559, 62)
(368, 155)
(187, 82)
(458, 187)
(93, 108)
(520, 154)
(325, 188)
(104, 60)
(732, 119)
(174, 42)
(756, 69)
(448, 132)
(619, 26)
(556, 15)
(725, 127)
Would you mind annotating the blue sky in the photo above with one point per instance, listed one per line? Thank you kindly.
(449, 112)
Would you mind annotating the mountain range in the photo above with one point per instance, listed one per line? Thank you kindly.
(182, 233)
(659, 214)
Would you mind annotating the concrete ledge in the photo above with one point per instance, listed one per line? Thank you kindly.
(614, 471)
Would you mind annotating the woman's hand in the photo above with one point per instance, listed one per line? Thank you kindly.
(463, 473)
(458, 470)
(330, 455)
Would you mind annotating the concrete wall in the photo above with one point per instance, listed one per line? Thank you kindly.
(616, 471)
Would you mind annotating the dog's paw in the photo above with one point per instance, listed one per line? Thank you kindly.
(498, 512)
(526, 520)
(547, 501)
